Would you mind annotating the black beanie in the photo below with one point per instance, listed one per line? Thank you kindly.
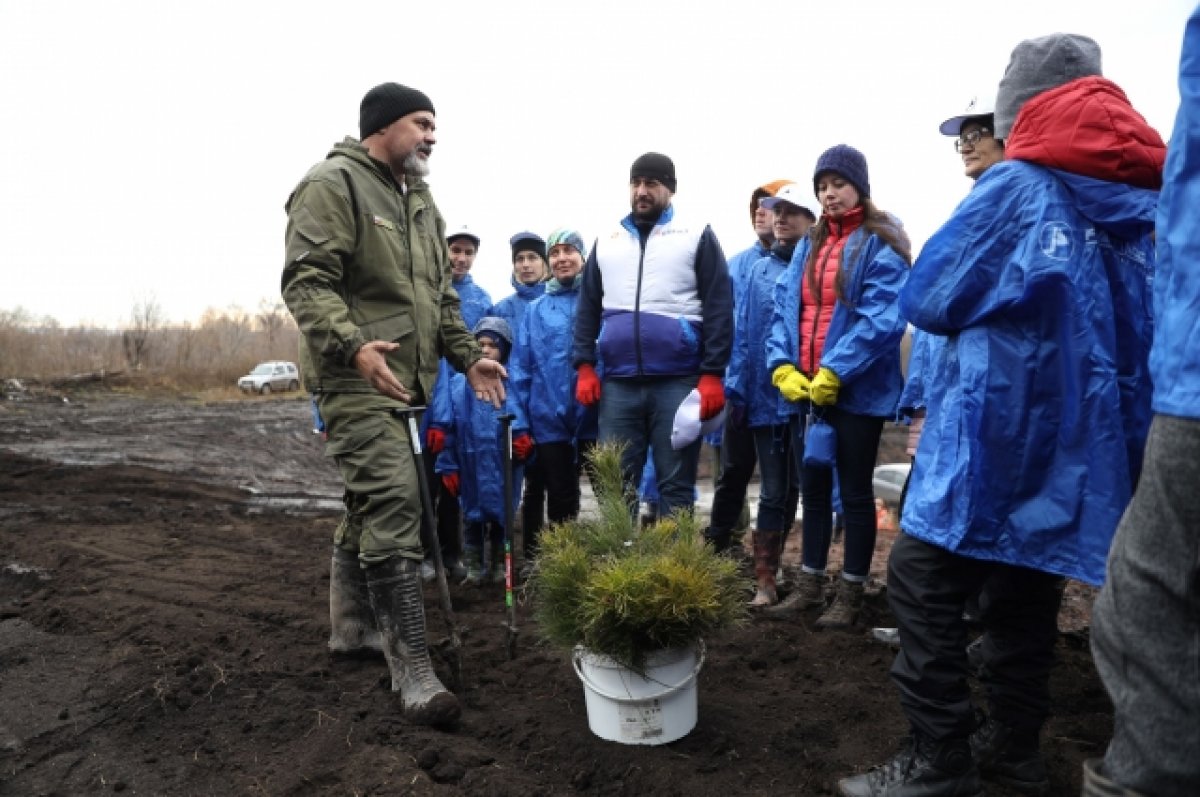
(657, 166)
(849, 163)
(527, 242)
(386, 103)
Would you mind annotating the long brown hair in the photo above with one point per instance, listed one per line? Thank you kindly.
(875, 222)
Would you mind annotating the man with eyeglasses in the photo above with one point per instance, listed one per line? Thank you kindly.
(1040, 283)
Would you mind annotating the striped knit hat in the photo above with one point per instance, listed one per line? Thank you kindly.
(565, 235)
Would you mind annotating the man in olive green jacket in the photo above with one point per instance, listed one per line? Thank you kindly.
(368, 280)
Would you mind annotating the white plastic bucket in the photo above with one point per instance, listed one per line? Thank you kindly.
(625, 707)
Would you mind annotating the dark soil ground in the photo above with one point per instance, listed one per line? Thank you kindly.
(163, 616)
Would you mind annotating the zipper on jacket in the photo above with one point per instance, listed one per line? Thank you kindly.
(637, 300)
(820, 297)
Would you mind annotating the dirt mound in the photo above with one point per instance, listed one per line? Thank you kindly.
(165, 634)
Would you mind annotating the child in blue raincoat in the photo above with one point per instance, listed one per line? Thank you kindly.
(471, 464)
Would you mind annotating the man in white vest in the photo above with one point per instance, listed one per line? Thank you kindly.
(654, 323)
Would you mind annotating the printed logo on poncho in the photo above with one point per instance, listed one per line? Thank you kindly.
(1055, 240)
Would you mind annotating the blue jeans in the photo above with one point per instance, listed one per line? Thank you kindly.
(857, 449)
(779, 476)
(639, 413)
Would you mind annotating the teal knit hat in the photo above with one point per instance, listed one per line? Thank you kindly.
(564, 235)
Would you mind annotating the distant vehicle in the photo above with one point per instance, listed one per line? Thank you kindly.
(889, 481)
(269, 376)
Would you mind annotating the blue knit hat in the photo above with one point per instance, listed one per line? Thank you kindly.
(849, 163)
(565, 235)
(496, 328)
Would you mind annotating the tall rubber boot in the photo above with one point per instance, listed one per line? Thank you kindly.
(352, 628)
(395, 590)
(766, 561)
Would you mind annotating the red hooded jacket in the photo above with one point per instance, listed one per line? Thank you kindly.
(1088, 127)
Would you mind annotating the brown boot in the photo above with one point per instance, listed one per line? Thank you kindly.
(395, 589)
(846, 605)
(809, 592)
(1095, 784)
(351, 622)
(766, 562)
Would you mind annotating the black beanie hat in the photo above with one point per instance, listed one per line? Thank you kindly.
(386, 103)
(849, 163)
(657, 166)
(527, 242)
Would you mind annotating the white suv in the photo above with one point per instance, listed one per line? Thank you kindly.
(268, 376)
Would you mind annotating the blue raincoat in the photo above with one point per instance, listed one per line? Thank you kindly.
(540, 371)
(474, 305)
(1175, 358)
(1032, 440)
(475, 450)
(748, 380)
(862, 345)
(512, 307)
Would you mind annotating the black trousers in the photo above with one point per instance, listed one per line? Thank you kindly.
(533, 504)
(562, 464)
(928, 587)
(738, 458)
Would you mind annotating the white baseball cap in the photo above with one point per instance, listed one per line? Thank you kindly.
(793, 194)
(980, 105)
(463, 232)
(687, 426)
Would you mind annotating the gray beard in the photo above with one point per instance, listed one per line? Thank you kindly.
(414, 166)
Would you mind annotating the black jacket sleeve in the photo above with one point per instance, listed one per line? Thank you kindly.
(716, 299)
(588, 312)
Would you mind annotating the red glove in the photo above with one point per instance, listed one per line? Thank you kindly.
(523, 446)
(712, 396)
(587, 385)
(435, 440)
(450, 481)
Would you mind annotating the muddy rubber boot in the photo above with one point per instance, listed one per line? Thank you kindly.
(1095, 784)
(846, 605)
(1009, 758)
(472, 559)
(809, 593)
(395, 590)
(766, 562)
(352, 629)
(922, 769)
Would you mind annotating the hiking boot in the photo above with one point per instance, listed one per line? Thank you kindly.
(809, 592)
(1009, 757)
(1095, 784)
(395, 590)
(351, 621)
(766, 562)
(922, 768)
(473, 561)
(847, 603)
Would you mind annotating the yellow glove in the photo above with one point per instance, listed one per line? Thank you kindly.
(792, 384)
(824, 387)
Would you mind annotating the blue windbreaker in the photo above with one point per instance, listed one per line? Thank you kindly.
(512, 307)
(475, 304)
(748, 380)
(1175, 358)
(862, 345)
(474, 449)
(739, 272)
(540, 372)
(921, 379)
(1032, 439)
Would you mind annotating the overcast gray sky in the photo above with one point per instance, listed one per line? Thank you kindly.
(149, 146)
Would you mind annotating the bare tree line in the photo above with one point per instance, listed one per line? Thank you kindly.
(212, 352)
